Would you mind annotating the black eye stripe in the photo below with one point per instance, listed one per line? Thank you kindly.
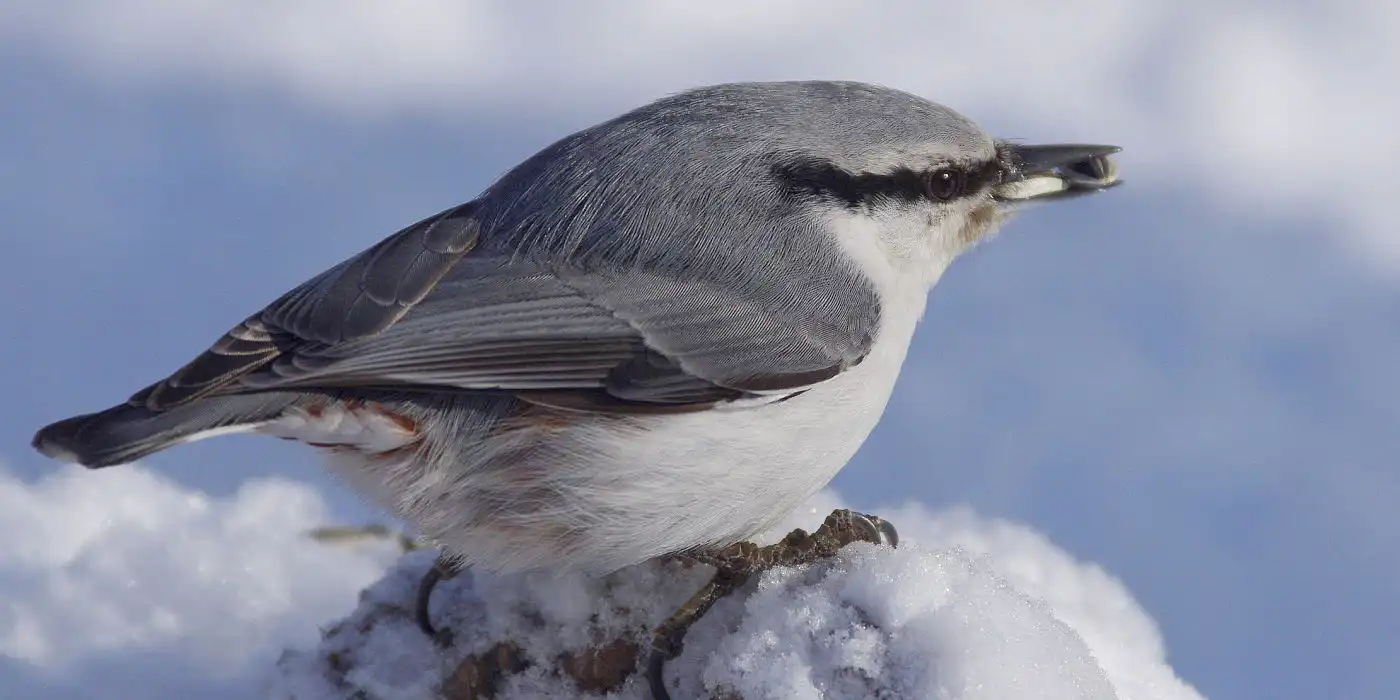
(815, 177)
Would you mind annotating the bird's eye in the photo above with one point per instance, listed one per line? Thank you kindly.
(944, 184)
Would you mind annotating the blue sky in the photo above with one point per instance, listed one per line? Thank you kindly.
(1191, 381)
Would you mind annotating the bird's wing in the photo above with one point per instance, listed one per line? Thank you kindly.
(426, 309)
(357, 298)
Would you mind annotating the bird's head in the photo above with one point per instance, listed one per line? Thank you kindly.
(922, 180)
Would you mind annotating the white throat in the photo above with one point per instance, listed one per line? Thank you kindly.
(902, 256)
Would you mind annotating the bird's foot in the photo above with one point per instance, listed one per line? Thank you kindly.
(737, 563)
(446, 567)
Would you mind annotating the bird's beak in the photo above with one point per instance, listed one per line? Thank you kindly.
(1058, 171)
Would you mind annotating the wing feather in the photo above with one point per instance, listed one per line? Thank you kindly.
(430, 309)
(358, 298)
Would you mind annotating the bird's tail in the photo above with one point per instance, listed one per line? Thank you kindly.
(126, 432)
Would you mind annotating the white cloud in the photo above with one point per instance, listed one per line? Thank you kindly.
(966, 608)
(1268, 107)
(114, 577)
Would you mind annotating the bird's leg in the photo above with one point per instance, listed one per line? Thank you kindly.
(446, 567)
(737, 563)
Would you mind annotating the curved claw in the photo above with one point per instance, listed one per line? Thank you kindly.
(876, 530)
(888, 535)
(656, 680)
(444, 568)
(420, 604)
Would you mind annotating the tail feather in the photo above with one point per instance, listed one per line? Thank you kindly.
(126, 433)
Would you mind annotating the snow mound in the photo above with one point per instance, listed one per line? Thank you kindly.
(120, 583)
(965, 608)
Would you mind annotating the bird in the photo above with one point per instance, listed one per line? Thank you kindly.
(654, 338)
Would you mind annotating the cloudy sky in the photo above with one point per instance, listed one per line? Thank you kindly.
(1191, 381)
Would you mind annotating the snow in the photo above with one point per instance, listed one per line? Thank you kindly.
(119, 579)
(121, 583)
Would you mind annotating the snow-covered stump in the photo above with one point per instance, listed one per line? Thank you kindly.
(963, 609)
